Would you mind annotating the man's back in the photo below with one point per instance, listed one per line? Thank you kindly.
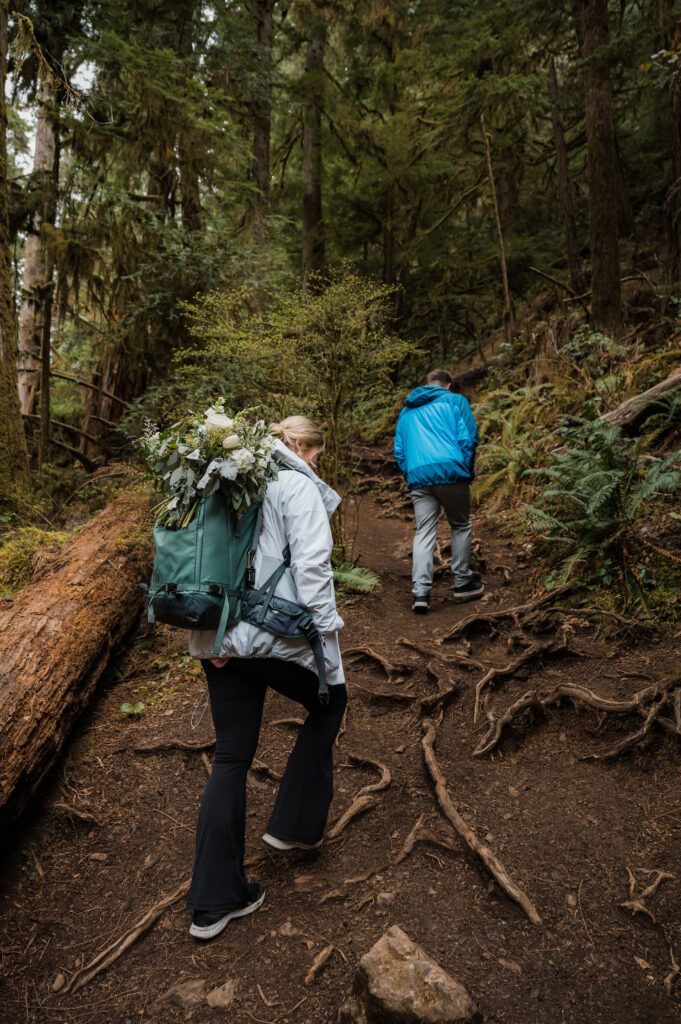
(436, 438)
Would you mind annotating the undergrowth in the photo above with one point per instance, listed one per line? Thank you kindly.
(23, 551)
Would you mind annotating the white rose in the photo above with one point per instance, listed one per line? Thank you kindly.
(218, 421)
(232, 441)
(244, 459)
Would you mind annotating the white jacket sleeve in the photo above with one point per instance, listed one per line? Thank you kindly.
(309, 537)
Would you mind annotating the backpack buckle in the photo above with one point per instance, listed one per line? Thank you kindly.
(215, 590)
(171, 588)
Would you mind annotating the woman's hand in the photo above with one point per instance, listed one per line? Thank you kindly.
(219, 662)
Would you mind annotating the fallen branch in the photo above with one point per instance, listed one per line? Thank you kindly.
(457, 657)
(491, 862)
(112, 952)
(364, 799)
(163, 746)
(636, 408)
(396, 695)
(632, 740)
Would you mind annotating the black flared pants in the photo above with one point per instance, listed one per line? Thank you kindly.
(237, 695)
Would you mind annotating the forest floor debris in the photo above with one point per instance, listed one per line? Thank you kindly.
(99, 941)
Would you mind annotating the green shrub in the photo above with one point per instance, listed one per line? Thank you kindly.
(21, 550)
(598, 490)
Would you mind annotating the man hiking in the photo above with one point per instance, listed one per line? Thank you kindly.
(435, 446)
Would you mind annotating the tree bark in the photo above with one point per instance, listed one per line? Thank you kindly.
(313, 222)
(564, 183)
(56, 637)
(262, 112)
(673, 202)
(14, 474)
(509, 312)
(38, 259)
(591, 18)
(187, 157)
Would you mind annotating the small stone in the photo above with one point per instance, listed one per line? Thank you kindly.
(397, 981)
(288, 930)
(100, 857)
(489, 838)
(510, 965)
(385, 899)
(571, 899)
(185, 994)
(534, 994)
(514, 791)
(150, 859)
(58, 983)
(562, 737)
(400, 750)
(222, 996)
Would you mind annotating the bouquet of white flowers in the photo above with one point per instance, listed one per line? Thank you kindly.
(203, 454)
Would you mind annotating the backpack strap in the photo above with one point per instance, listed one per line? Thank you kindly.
(250, 575)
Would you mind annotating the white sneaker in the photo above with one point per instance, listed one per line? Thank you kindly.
(282, 844)
(208, 925)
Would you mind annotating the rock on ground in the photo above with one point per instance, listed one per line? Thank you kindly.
(398, 983)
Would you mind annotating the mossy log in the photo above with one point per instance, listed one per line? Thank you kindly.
(56, 637)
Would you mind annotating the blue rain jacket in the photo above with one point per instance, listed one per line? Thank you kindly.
(436, 438)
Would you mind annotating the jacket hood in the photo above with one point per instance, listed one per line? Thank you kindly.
(425, 394)
(330, 498)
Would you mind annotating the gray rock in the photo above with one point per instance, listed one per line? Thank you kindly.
(185, 994)
(398, 983)
(222, 996)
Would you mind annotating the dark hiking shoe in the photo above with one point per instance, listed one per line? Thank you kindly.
(206, 925)
(469, 591)
(421, 604)
(286, 844)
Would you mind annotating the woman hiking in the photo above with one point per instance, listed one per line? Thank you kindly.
(296, 512)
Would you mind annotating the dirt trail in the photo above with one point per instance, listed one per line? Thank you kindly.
(565, 829)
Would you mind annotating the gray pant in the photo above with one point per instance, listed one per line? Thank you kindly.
(455, 499)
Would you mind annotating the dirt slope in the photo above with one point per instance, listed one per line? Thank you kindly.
(566, 830)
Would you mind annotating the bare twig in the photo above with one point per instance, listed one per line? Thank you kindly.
(491, 862)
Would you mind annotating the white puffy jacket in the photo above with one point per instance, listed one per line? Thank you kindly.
(296, 512)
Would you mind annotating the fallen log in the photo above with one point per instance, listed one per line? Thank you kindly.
(635, 409)
(56, 636)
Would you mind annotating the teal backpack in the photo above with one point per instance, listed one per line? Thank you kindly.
(204, 578)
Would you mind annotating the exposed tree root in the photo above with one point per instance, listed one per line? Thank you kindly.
(491, 862)
(673, 974)
(437, 701)
(396, 695)
(396, 672)
(364, 799)
(492, 618)
(582, 695)
(636, 903)
(419, 834)
(288, 721)
(457, 657)
(116, 949)
(629, 625)
(319, 962)
(75, 812)
(162, 746)
(535, 651)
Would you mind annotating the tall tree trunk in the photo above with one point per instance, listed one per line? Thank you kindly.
(38, 260)
(313, 223)
(606, 300)
(187, 158)
(564, 183)
(673, 203)
(509, 311)
(262, 122)
(14, 475)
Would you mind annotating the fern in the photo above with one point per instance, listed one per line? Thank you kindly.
(356, 578)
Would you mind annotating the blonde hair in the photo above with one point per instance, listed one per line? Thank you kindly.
(306, 432)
